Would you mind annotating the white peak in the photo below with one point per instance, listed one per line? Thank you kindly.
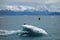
(20, 8)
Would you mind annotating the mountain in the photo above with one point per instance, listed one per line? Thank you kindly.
(25, 10)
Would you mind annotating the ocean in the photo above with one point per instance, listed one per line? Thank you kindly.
(49, 23)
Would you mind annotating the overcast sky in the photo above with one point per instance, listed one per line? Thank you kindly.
(30, 1)
(51, 4)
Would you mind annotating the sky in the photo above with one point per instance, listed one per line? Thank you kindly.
(51, 5)
(30, 1)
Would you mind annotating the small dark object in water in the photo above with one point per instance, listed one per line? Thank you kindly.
(24, 23)
(38, 18)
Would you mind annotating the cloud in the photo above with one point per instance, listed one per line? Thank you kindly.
(50, 8)
(52, 1)
(18, 8)
(31, 1)
(53, 7)
(50, 5)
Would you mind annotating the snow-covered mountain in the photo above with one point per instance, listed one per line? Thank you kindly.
(19, 8)
(26, 10)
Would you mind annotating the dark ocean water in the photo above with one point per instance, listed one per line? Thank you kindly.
(49, 23)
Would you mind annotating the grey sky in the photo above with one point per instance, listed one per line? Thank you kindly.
(53, 5)
(29, 1)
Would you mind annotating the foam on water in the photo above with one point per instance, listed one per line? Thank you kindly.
(7, 32)
(35, 29)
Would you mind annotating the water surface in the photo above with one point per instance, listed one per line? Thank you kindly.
(49, 23)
